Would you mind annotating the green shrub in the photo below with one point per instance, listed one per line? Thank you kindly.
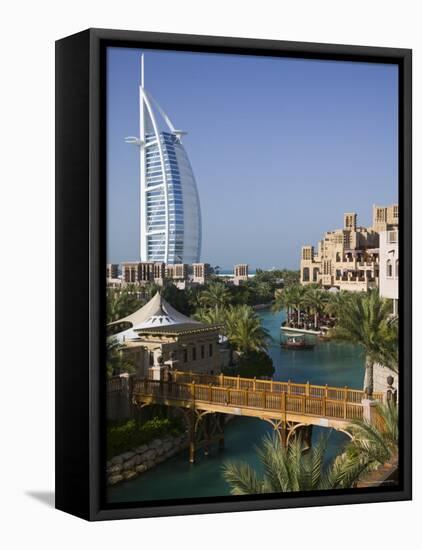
(255, 363)
(125, 436)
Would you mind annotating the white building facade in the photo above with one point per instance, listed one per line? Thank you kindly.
(170, 214)
(389, 266)
(388, 288)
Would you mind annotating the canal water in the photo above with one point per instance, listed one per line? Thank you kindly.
(334, 363)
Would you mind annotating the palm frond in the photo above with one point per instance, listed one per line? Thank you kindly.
(243, 479)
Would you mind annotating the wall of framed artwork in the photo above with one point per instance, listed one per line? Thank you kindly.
(85, 184)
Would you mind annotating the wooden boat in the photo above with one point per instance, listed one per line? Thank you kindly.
(297, 342)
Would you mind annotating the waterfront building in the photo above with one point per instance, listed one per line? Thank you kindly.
(143, 272)
(177, 272)
(159, 273)
(241, 273)
(112, 271)
(200, 273)
(131, 272)
(157, 338)
(388, 288)
(348, 258)
(152, 272)
(170, 216)
(112, 276)
(385, 217)
(389, 266)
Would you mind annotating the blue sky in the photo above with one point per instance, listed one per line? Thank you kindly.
(280, 148)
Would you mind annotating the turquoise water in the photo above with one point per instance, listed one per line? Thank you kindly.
(333, 363)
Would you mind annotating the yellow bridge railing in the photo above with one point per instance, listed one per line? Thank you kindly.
(332, 393)
(254, 397)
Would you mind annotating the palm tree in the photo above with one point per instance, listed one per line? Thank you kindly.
(290, 278)
(215, 295)
(263, 291)
(122, 302)
(389, 345)
(212, 316)
(336, 302)
(176, 297)
(363, 319)
(285, 299)
(151, 290)
(315, 299)
(297, 298)
(193, 295)
(373, 444)
(290, 469)
(244, 330)
(116, 362)
(113, 305)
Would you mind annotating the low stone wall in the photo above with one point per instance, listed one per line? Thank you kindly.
(131, 464)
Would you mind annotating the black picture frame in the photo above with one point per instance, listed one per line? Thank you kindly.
(80, 260)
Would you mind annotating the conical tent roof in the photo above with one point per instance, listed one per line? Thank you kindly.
(156, 313)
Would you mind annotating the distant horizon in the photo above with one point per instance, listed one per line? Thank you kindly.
(278, 157)
(230, 271)
(252, 267)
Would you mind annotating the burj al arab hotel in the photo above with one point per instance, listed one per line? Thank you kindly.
(170, 214)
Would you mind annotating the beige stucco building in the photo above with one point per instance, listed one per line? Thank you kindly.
(112, 271)
(112, 276)
(241, 273)
(177, 272)
(157, 338)
(143, 272)
(182, 275)
(200, 273)
(348, 258)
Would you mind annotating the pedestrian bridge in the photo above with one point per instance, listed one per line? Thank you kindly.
(282, 403)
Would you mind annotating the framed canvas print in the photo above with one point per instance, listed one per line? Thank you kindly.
(233, 319)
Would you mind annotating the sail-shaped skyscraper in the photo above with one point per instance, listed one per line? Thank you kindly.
(170, 214)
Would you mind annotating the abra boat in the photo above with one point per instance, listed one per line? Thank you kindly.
(297, 342)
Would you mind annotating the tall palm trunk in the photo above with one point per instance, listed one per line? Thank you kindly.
(369, 377)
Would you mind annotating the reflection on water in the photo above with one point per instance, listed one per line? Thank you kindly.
(333, 363)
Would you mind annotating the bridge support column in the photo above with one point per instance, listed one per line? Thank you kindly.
(192, 452)
(221, 419)
(283, 432)
(207, 439)
(306, 433)
(192, 446)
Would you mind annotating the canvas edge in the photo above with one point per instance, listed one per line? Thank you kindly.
(96, 225)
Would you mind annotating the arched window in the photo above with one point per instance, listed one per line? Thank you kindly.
(305, 275)
(397, 268)
(315, 274)
(389, 268)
